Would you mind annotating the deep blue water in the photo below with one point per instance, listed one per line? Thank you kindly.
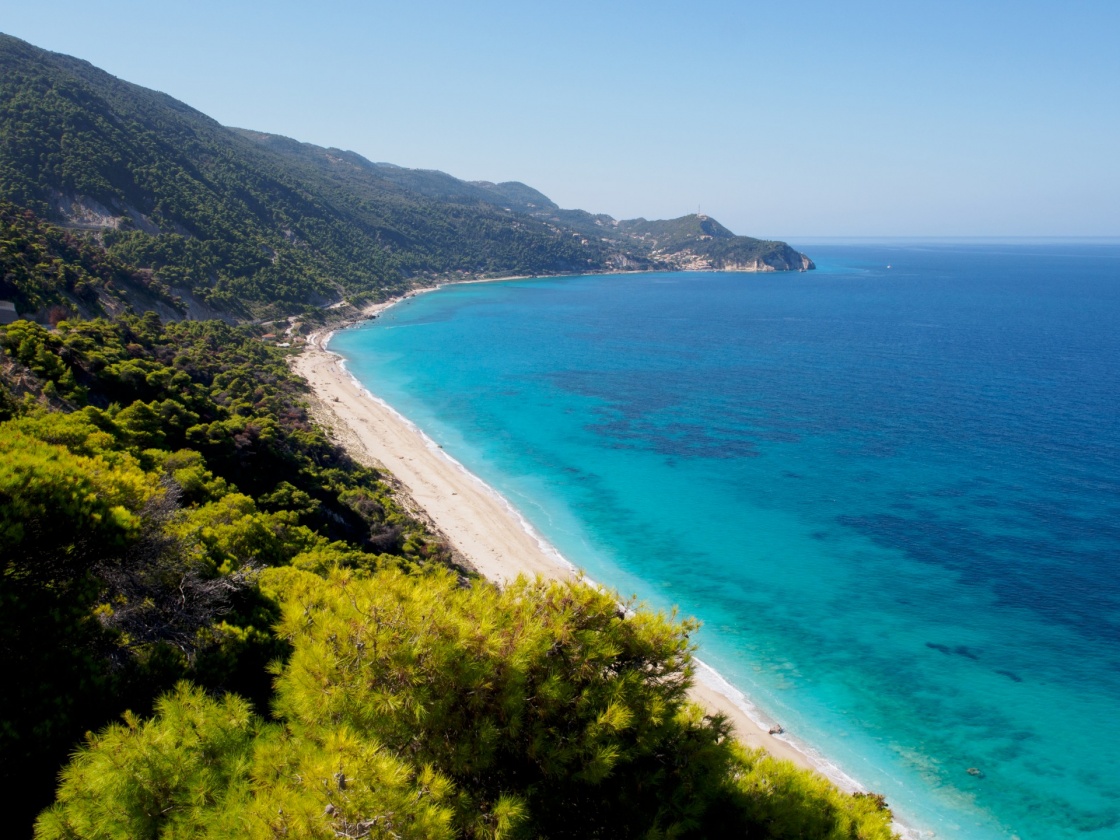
(891, 494)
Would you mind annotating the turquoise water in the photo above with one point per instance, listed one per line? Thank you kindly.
(892, 495)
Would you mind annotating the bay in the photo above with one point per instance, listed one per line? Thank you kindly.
(890, 488)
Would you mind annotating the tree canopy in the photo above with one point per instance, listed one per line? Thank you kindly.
(415, 707)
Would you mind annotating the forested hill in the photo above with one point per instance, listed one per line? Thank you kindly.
(214, 624)
(251, 224)
(702, 242)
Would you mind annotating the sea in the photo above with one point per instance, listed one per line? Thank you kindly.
(889, 488)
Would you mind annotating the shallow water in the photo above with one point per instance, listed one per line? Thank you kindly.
(891, 494)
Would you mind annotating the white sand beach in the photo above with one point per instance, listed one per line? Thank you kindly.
(484, 529)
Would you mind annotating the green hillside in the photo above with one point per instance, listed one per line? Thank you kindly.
(51, 274)
(146, 472)
(252, 224)
(215, 624)
(221, 215)
(700, 241)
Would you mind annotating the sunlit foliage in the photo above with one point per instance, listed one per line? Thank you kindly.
(415, 706)
(147, 473)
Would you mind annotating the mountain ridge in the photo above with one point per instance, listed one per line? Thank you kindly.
(254, 224)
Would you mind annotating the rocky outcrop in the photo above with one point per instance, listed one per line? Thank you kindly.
(791, 261)
(699, 243)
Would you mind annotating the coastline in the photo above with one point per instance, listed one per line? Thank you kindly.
(919, 803)
(484, 530)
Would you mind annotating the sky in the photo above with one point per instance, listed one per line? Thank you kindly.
(780, 119)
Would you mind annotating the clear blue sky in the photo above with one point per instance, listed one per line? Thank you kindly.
(786, 119)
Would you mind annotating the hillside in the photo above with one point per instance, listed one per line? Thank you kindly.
(700, 242)
(287, 652)
(253, 224)
(50, 274)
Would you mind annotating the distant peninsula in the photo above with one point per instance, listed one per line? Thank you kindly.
(216, 221)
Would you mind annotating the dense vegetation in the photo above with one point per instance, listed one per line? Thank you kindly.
(292, 653)
(252, 224)
(414, 707)
(175, 463)
(49, 273)
(220, 214)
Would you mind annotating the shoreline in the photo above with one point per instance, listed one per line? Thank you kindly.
(486, 532)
